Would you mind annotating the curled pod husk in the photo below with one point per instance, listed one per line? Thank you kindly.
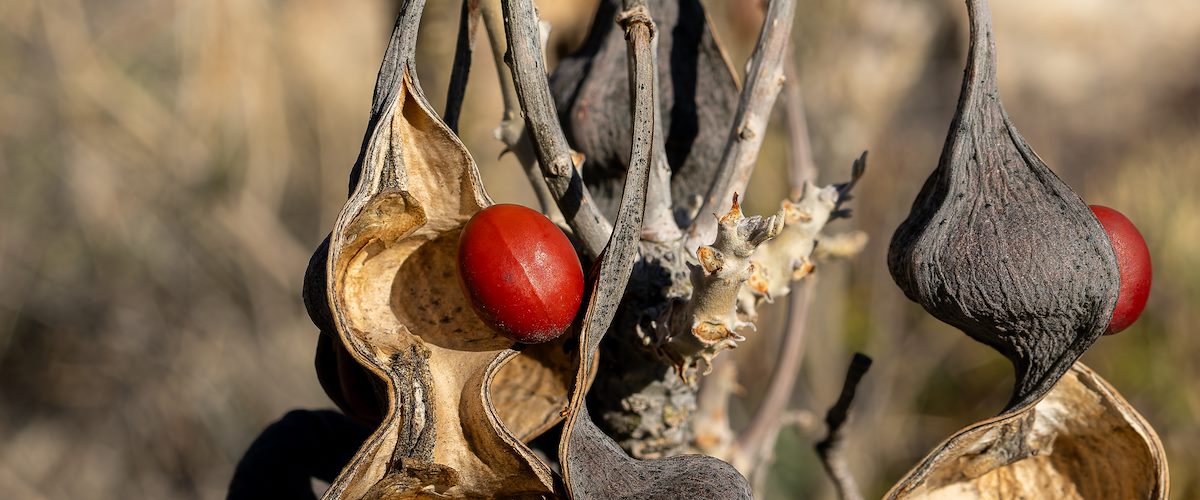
(458, 400)
(1082, 440)
(697, 98)
(999, 246)
(593, 464)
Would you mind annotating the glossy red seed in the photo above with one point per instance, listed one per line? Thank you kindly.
(1133, 260)
(520, 273)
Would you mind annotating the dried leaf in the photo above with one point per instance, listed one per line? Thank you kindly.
(1082, 440)
(698, 95)
(390, 295)
(999, 246)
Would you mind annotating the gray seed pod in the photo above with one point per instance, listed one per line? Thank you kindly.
(999, 246)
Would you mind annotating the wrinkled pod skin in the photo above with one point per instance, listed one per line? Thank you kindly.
(999, 246)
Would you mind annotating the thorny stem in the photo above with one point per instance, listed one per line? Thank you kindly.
(468, 21)
(763, 82)
(558, 163)
(830, 448)
(511, 130)
(753, 446)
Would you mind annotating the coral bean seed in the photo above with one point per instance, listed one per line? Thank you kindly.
(520, 273)
(1133, 260)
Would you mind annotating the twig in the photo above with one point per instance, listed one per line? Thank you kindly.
(468, 20)
(830, 448)
(763, 83)
(754, 444)
(620, 254)
(511, 130)
(801, 166)
(558, 163)
(643, 69)
(660, 222)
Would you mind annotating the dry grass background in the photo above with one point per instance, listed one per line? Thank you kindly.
(166, 168)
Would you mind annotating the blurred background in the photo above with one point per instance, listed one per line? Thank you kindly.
(167, 167)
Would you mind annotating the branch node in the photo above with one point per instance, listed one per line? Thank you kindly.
(709, 322)
(638, 14)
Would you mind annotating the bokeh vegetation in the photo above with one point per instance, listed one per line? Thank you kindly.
(166, 169)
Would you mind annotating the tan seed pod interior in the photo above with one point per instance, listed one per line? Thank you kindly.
(1082, 440)
(460, 399)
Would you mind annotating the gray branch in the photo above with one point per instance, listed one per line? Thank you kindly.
(753, 445)
(511, 130)
(660, 224)
(763, 82)
(558, 163)
(801, 166)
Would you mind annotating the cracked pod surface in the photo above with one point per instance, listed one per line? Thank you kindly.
(459, 399)
(999, 246)
(1082, 440)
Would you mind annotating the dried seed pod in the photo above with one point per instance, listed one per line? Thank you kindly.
(1082, 440)
(998, 246)
(384, 285)
(697, 96)
(593, 465)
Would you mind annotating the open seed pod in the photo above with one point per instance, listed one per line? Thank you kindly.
(1082, 440)
(998, 246)
(458, 400)
(698, 95)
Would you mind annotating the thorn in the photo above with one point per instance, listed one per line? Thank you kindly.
(735, 211)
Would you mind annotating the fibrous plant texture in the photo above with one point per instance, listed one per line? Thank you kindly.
(1000, 247)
